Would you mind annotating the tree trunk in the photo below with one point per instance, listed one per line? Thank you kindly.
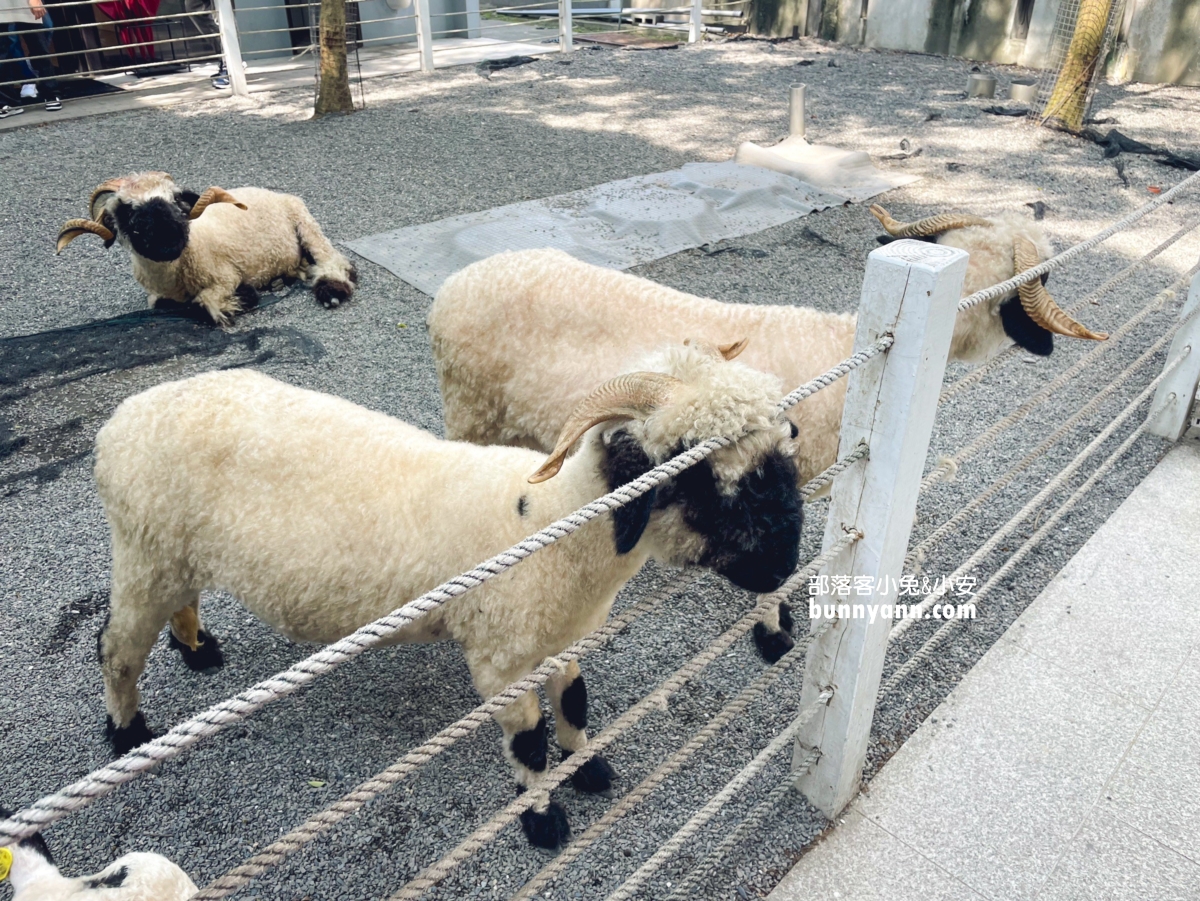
(333, 95)
(1068, 99)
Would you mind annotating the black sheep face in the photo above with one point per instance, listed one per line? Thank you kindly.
(750, 534)
(1020, 326)
(156, 229)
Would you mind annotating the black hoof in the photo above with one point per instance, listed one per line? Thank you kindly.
(772, 645)
(125, 740)
(207, 656)
(594, 777)
(247, 296)
(330, 293)
(546, 830)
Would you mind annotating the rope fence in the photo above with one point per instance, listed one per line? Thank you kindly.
(1034, 504)
(688, 888)
(671, 765)
(926, 651)
(785, 738)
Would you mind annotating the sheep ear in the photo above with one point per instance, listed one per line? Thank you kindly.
(213, 195)
(624, 461)
(187, 200)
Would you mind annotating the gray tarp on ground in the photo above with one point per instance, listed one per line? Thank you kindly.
(622, 223)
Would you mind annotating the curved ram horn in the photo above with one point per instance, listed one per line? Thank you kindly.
(73, 228)
(725, 351)
(214, 195)
(729, 351)
(625, 397)
(923, 228)
(1037, 301)
(109, 187)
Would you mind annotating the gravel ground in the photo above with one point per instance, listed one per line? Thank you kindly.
(429, 147)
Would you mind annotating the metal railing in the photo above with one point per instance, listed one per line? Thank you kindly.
(108, 42)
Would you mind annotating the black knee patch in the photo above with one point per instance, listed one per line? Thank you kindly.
(530, 746)
(546, 830)
(574, 703)
(331, 292)
(785, 617)
(772, 645)
(594, 777)
(115, 879)
(207, 656)
(125, 740)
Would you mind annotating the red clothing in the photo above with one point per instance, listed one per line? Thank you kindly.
(140, 34)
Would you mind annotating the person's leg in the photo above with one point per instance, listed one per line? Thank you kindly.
(38, 47)
(209, 44)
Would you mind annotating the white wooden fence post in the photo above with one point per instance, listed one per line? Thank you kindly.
(910, 291)
(231, 48)
(1172, 422)
(566, 35)
(474, 20)
(424, 36)
(695, 23)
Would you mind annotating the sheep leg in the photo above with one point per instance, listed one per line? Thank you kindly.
(568, 695)
(199, 649)
(525, 745)
(332, 276)
(220, 302)
(135, 619)
(772, 636)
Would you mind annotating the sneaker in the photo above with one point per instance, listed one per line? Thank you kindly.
(6, 111)
(220, 81)
(29, 92)
(53, 104)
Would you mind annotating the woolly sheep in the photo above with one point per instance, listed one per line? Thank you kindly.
(237, 481)
(580, 323)
(134, 877)
(244, 241)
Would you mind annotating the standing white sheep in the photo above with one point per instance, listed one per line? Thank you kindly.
(214, 249)
(519, 336)
(30, 867)
(237, 481)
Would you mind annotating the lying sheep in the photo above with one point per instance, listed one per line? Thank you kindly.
(244, 241)
(30, 868)
(234, 480)
(581, 323)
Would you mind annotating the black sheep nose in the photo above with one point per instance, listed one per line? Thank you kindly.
(766, 569)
